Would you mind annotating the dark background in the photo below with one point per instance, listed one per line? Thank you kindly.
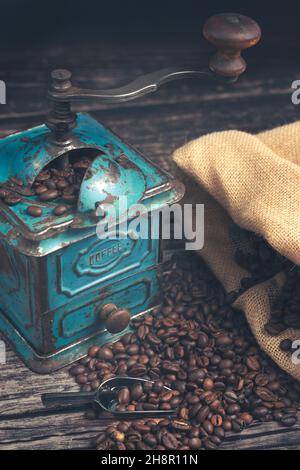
(25, 22)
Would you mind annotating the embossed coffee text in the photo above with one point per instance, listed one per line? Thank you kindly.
(100, 256)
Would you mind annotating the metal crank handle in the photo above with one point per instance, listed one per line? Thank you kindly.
(139, 87)
(68, 399)
(229, 32)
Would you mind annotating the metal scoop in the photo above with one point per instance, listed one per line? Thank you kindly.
(105, 397)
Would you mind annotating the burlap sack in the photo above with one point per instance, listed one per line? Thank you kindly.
(248, 182)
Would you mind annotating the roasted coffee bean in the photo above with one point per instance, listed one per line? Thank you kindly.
(194, 443)
(253, 363)
(124, 396)
(41, 189)
(69, 198)
(260, 411)
(3, 193)
(136, 392)
(77, 370)
(288, 420)
(43, 176)
(62, 184)
(60, 210)
(34, 211)
(11, 200)
(49, 195)
(208, 384)
(92, 352)
(50, 184)
(265, 394)
(217, 420)
(105, 353)
(286, 345)
(169, 441)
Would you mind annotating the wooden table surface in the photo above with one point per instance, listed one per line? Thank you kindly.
(156, 125)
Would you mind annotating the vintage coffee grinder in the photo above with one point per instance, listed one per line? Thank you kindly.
(62, 288)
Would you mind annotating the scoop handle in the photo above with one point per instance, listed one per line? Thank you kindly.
(68, 399)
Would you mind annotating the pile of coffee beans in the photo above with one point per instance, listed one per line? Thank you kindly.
(261, 261)
(163, 434)
(53, 184)
(201, 348)
(285, 312)
(147, 396)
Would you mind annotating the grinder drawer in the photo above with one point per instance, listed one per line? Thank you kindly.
(80, 318)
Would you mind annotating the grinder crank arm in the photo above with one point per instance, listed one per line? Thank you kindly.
(139, 87)
(230, 33)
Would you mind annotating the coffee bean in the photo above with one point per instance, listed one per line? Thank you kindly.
(288, 420)
(169, 441)
(61, 184)
(41, 189)
(92, 352)
(208, 384)
(260, 411)
(3, 193)
(34, 211)
(217, 420)
(69, 198)
(202, 414)
(246, 417)
(137, 392)
(50, 184)
(43, 176)
(60, 210)
(253, 363)
(286, 345)
(49, 195)
(262, 379)
(77, 370)
(11, 200)
(265, 394)
(81, 379)
(105, 353)
(124, 396)
(195, 443)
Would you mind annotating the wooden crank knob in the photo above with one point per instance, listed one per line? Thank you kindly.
(230, 33)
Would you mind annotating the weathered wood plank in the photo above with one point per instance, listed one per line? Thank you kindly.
(21, 389)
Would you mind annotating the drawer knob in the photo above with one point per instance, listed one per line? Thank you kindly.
(114, 318)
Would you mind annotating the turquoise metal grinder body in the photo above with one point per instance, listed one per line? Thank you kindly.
(55, 273)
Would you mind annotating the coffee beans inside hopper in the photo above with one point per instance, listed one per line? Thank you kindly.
(53, 185)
